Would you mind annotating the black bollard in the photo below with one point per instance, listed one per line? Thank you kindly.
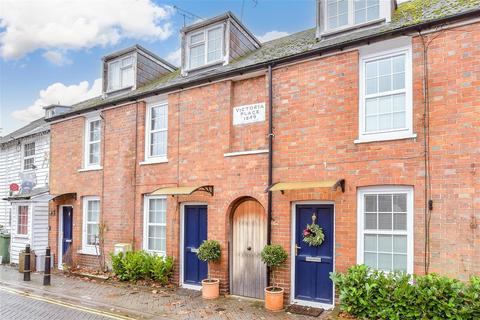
(26, 266)
(46, 274)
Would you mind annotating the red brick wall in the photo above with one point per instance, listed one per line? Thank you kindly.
(316, 123)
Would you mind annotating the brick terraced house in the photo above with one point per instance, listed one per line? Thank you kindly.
(367, 124)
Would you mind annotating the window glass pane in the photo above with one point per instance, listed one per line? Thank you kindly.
(384, 243)
(337, 13)
(400, 244)
(371, 123)
(94, 155)
(385, 121)
(385, 83)
(370, 221)
(399, 102)
(399, 221)
(385, 221)
(29, 163)
(371, 86)
(370, 260)
(385, 202)
(360, 16)
(127, 77)
(373, 12)
(158, 145)
(196, 38)
(398, 81)
(92, 234)
(197, 56)
(127, 61)
(371, 203)
(29, 149)
(114, 75)
(398, 63)
(214, 44)
(400, 262)
(385, 105)
(158, 118)
(95, 130)
(156, 211)
(400, 202)
(385, 261)
(370, 242)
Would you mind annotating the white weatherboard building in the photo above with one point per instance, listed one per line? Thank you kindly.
(24, 192)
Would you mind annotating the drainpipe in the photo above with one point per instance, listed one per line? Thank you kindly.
(270, 154)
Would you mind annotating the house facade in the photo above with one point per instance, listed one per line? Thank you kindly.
(367, 125)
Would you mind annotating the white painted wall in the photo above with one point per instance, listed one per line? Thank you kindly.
(11, 167)
(11, 158)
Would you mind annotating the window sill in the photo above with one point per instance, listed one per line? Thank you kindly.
(210, 64)
(87, 252)
(336, 31)
(153, 161)
(119, 90)
(380, 139)
(243, 153)
(90, 169)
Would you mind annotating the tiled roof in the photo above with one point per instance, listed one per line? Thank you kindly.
(407, 14)
(33, 127)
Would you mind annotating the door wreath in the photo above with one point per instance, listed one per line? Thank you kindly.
(313, 234)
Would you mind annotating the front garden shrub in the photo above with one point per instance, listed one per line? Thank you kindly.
(373, 294)
(273, 255)
(138, 265)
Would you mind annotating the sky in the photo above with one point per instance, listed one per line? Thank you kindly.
(51, 50)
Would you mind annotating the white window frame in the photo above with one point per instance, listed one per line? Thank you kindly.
(88, 248)
(205, 43)
(146, 224)
(87, 143)
(109, 78)
(361, 192)
(385, 49)
(18, 220)
(148, 157)
(28, 157)
(383, 14)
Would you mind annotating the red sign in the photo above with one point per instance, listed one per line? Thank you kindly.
(14, 187)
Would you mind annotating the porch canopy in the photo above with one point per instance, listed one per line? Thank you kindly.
(181, 191)
(282, 186)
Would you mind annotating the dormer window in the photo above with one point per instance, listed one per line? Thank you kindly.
(213, 43)
(120, 73)
(205, 47)
(339, 15)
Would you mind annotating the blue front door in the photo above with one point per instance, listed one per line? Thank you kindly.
(313, 264)
(67, 216)
(195, 232)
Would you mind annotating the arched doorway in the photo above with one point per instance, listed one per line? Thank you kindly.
(249, 236)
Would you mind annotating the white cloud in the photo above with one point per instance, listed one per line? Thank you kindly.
(175, 57)
(61, 94)
(56, 57)
(271, 35)
(78, 24)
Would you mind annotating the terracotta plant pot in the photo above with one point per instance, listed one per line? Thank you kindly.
(274, 298)
(210, 288)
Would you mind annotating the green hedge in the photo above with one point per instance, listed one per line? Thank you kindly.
(371, 294)
(141, 265)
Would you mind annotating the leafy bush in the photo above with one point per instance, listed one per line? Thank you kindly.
(209, 251)
(372, 294)
(273, 256)
(137, 265)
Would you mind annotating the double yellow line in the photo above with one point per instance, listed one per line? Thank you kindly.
(65, 304)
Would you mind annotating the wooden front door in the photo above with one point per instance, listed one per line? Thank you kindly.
(249, 236)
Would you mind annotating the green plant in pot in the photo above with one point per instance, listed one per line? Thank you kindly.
(209, 251)
(274, 256)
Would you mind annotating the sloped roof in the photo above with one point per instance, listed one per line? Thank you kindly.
(407, 15)
(34, 127)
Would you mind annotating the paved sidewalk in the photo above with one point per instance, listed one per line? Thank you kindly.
(142, 303)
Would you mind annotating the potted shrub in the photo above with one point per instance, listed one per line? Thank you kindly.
(274, 256)
(209, 251)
